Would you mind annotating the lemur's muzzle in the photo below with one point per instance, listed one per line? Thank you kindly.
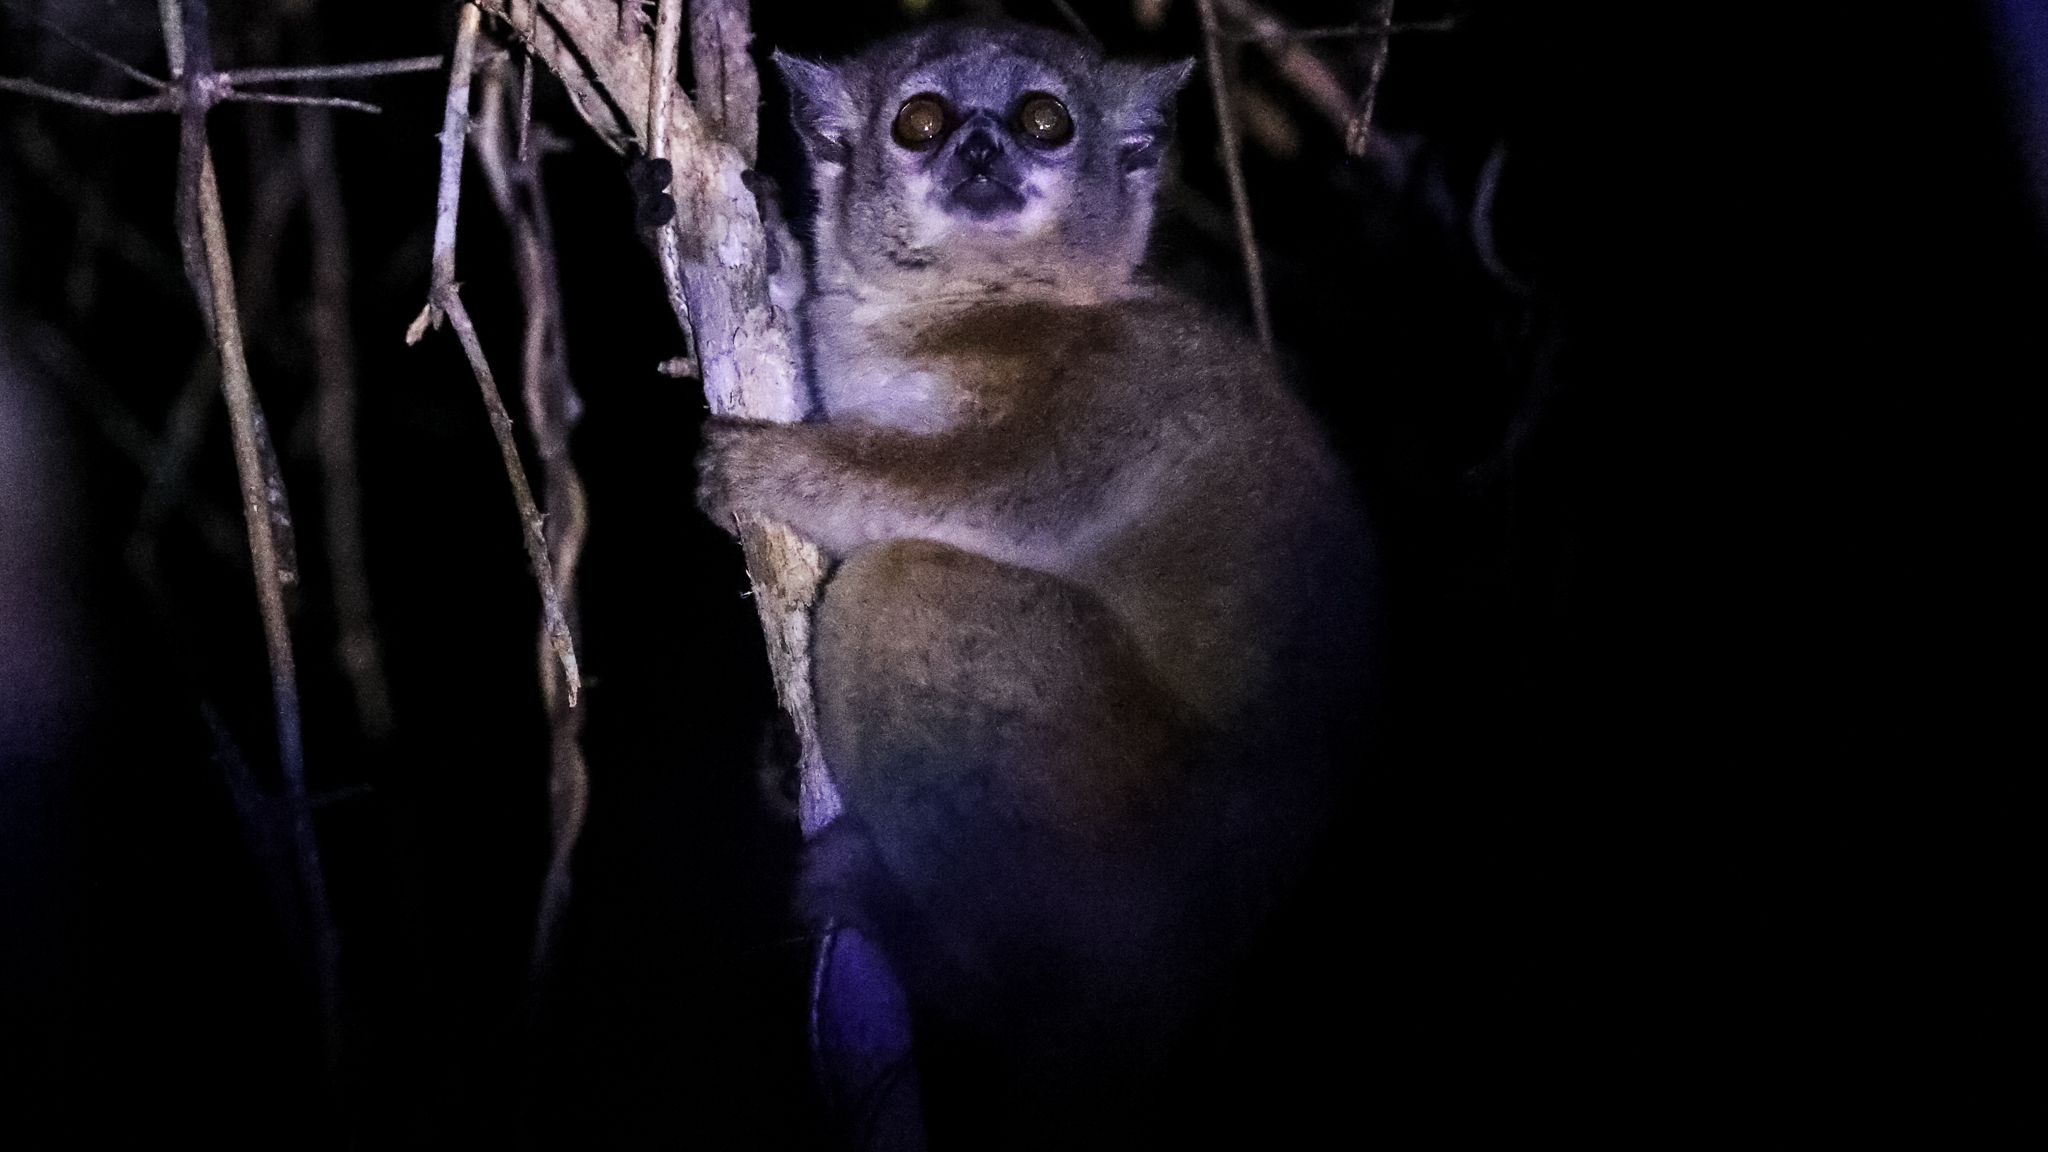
(985, 179)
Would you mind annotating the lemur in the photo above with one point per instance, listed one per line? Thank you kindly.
(1093, 648)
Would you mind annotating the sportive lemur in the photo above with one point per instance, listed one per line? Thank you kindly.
(1092, 649)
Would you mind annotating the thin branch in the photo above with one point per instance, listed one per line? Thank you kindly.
(589, 82)
(1348, 31)
(524, 17)
(189, 65)
(552, 410)
(165, 101)
(240, 76)
(305, 101)
(261, 493)
(172, 100)
(445, 299)
(1379, 15)
(448, 191)
(171, 14)
(357, 647)
(522, 493)
(64, 34)
(1294, 61)
(1240, 200)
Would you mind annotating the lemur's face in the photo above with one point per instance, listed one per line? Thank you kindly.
(994, 153)
(991, 143)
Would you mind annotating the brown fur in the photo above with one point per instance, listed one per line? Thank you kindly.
(1090, 657)
(1080, 664)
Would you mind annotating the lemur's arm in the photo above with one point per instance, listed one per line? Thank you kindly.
(844, 486)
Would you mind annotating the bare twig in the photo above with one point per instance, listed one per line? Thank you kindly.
(1240, 201)
(522, 494)
(1294, 61)
(448, 190)
(165, 101)
(240, 76)
(262, 494)
(1347, 31)
(308, 101)
(64, 34)
(192, 147)
(524, 16)
(219, 87)
(552, 410)
(357, 647)
(1379, 15)
(445, 299)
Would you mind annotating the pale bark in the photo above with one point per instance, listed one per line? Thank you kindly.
(746, 346)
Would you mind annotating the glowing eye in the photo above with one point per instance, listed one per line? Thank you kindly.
(921, 120)
(1044, 119)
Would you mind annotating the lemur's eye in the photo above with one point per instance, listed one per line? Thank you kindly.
(921, 120)
(1043, 118)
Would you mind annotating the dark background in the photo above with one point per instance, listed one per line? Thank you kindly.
(1689, 555)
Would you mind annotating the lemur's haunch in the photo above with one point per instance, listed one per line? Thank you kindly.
(1092, 650)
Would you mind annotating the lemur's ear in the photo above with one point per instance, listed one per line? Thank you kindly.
(1147, 107)
(820, 107)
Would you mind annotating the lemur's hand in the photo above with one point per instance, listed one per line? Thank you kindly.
(737, 468)
(652, 205)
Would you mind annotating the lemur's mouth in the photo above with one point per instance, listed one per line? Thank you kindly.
(984, 197)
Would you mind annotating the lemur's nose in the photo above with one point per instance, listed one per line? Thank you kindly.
(980, 147)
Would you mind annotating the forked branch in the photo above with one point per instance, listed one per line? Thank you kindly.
(444, 299)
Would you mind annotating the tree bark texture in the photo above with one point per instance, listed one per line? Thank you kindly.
(746, 346)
